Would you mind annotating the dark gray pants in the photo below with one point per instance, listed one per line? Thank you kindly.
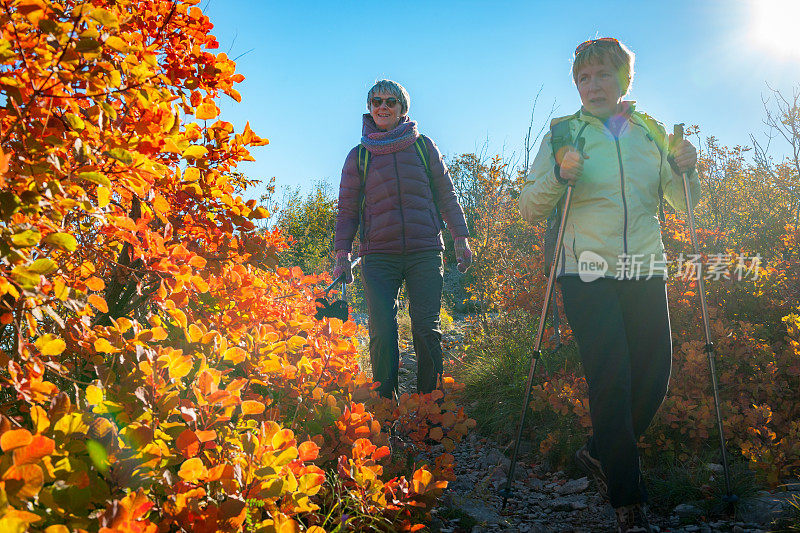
(623, 333)
(383, 274)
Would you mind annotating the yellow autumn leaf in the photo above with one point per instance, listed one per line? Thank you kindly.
(179, 366)
(40, 419)
(180, 317)
(50, 344)
(94, 395)
(103, 346)
(103, 196)
(116, 43)
(191, 174)
(252, 407)
(195, 333)
(195, 151)
(105, 17)
(235, 355)
(193, 470)
(206, 110)
(273, 364)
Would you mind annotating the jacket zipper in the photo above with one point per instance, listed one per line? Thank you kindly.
(624, 203)
(400, 197)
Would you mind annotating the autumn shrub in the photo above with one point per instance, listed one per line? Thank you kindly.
(159, 369)
(307, 222)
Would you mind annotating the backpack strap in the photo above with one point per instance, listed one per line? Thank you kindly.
(652, 131)
(421, 147)
(362, 162)
(560, 140)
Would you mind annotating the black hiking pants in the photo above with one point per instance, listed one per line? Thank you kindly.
(623, 334)
(383, 275)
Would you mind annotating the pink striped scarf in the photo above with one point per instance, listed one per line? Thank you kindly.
(386, 142)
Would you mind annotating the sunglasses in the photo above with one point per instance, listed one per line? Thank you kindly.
(390, 102)
(602, 40)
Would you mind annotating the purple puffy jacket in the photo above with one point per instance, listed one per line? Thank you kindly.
(400, 215)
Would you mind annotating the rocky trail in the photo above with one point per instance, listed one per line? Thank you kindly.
(544, 501)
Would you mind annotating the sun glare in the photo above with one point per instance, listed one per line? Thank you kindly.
(776, 24)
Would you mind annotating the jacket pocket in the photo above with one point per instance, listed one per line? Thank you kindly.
(434, 220)
(367, 221)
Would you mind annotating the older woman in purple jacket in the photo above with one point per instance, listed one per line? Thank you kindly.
(394, 199)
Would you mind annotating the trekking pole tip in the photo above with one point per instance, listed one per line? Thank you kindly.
(505, 492)
(730, 499)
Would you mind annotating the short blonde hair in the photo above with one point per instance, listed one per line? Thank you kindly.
(393, 88)
(610, 50)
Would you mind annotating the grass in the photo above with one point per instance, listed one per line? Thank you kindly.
(499, 361)
(343, 510)
(695, 483)
(790, 522)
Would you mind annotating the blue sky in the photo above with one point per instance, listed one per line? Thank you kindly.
(473, 69)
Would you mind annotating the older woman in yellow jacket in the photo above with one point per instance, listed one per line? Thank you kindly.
(612, 267)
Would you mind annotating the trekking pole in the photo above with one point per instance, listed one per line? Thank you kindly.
(537, 352)
(709, 347)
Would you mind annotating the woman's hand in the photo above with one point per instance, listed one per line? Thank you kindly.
(343, 266)
(684, 155)
(572, 166)
(463, 253)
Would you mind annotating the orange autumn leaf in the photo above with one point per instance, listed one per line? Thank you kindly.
(15, 438)
(39, 447)
(95, 284)
(235, 355)
(308, 451)
(188, 443)
(252, 407)
(24, 481)
(193, 470)
(422, 478)
(206, 436)
(98, 303)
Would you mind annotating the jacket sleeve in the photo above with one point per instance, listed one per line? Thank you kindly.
(542, 190)
(347, 218)
(672, 185)
(451, 210)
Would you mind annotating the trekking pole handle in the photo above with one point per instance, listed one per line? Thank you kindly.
(341, 279)
(677, 133)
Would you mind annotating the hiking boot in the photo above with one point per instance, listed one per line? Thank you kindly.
(592, 467)
(632, 519)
